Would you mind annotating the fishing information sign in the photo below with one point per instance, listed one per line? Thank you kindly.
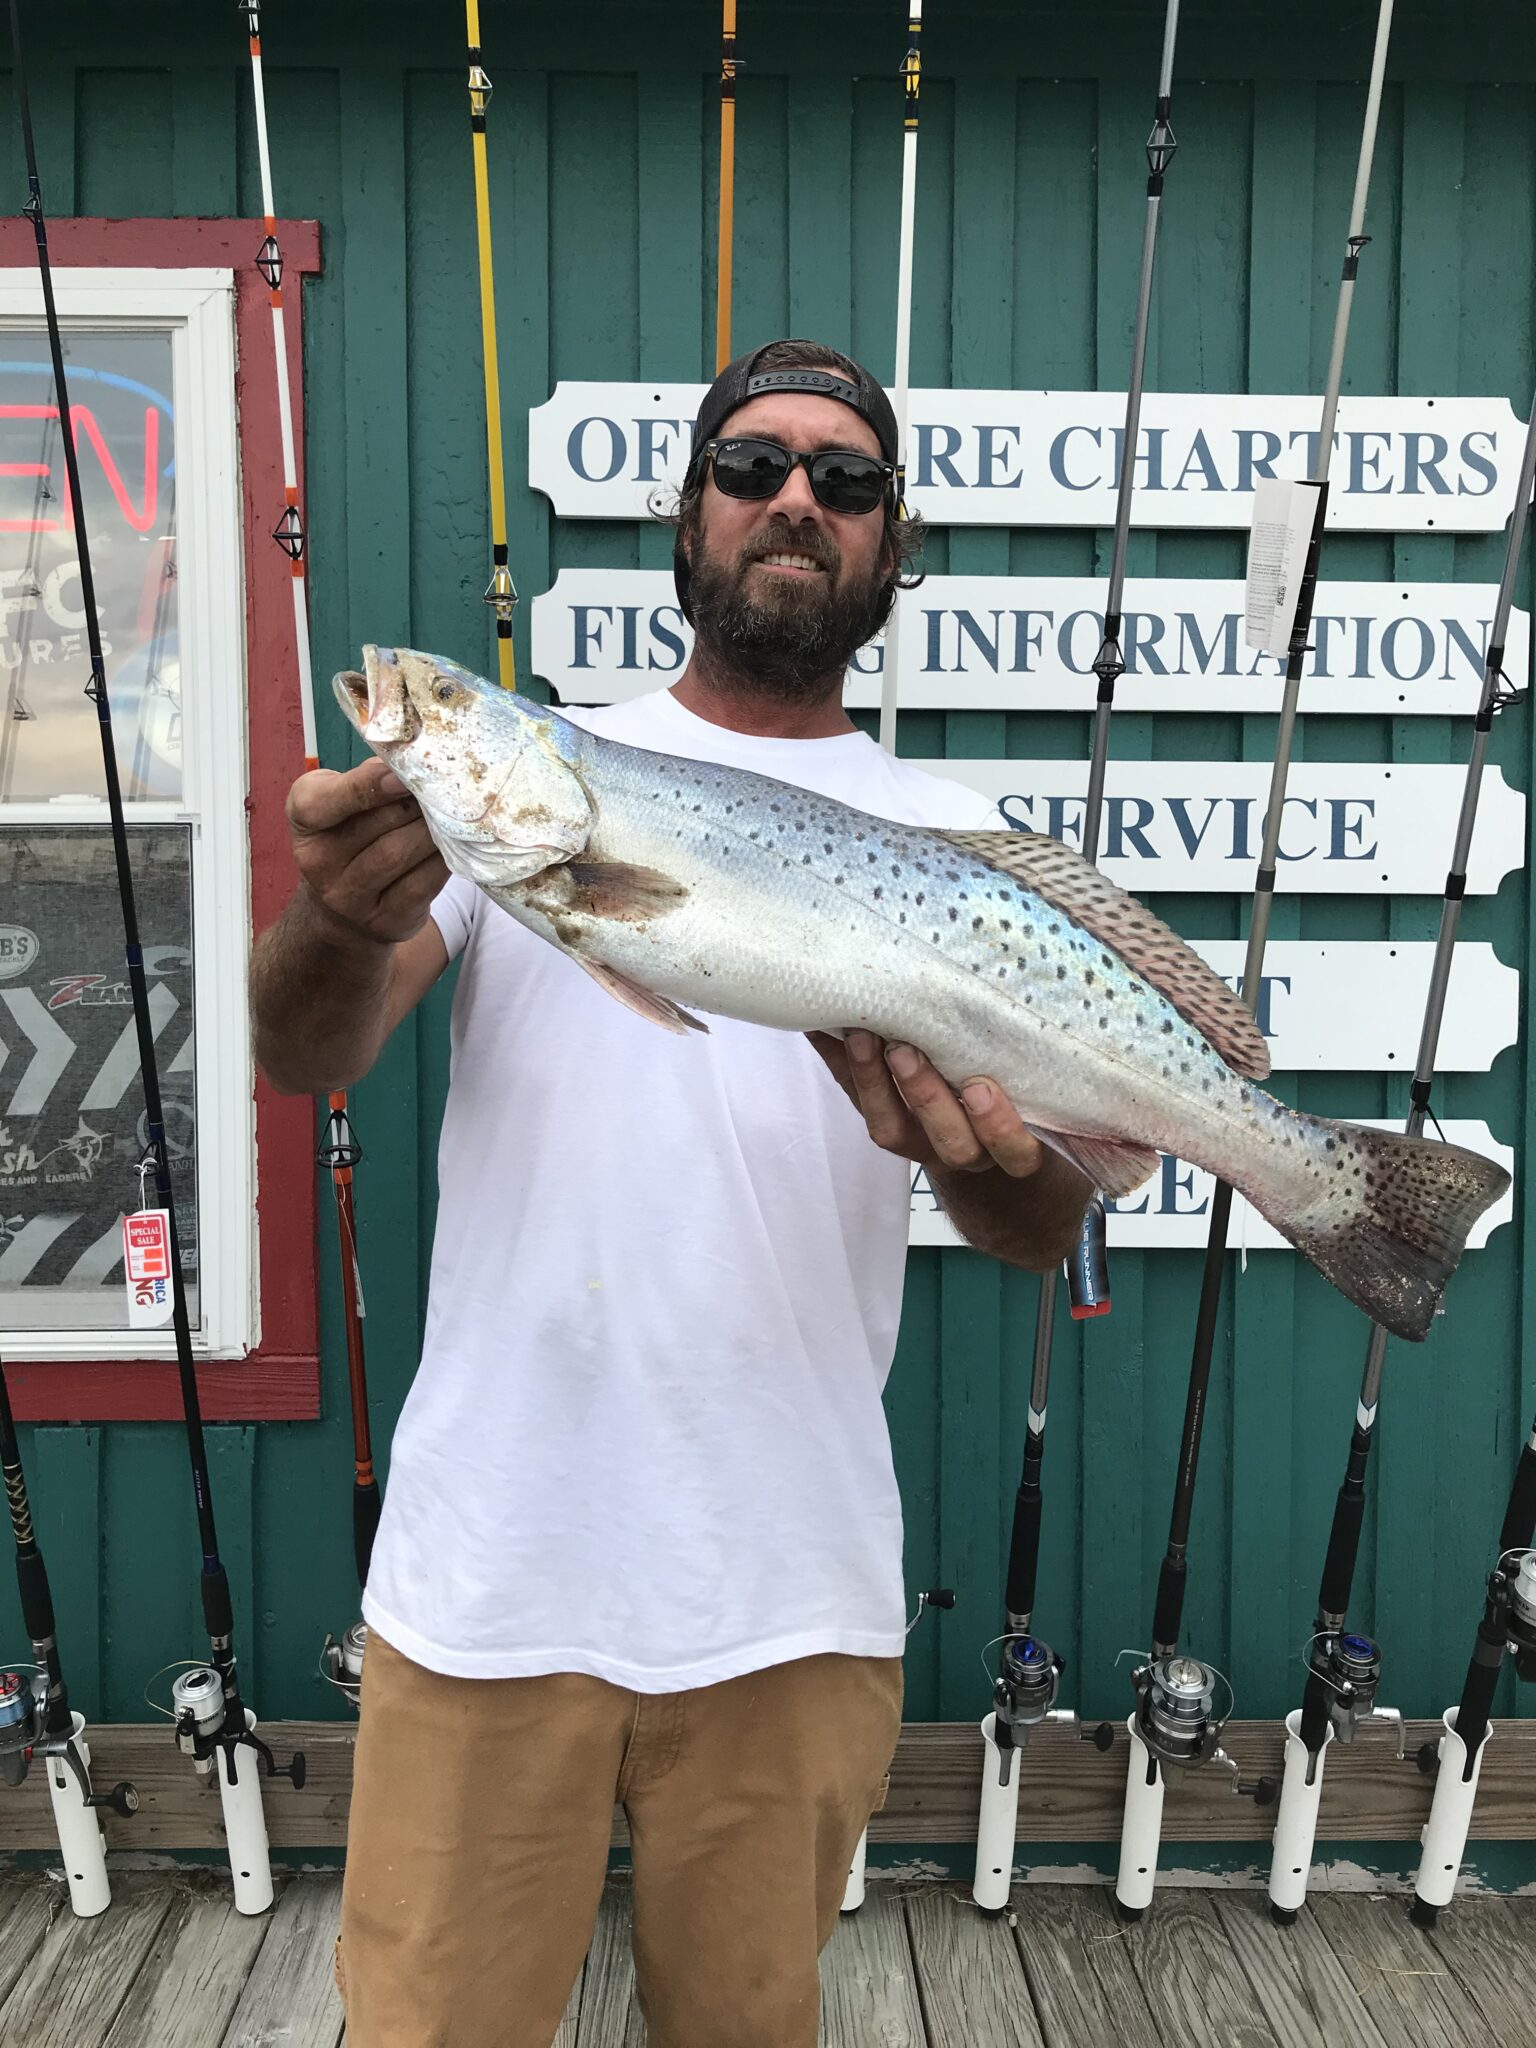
(1027, 643)
(1052, 458)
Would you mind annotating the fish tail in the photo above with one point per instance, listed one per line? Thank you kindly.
(1393, 1223)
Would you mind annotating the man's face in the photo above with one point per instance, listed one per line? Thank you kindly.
(785, 590)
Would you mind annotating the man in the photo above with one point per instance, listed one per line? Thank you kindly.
(642, 1539)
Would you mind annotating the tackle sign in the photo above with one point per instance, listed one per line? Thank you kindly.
(72, 1129)
(1027, 643)
(1172, 1212)
(1351, 828)
(1052, 458)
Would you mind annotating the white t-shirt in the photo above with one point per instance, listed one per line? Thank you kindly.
(646, 1439)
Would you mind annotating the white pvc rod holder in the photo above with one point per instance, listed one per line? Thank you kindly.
(81, 1841)
(245, 1825)
(1450, 1816)
(1141, 1826)
(997, 1828)
(1296, 1819)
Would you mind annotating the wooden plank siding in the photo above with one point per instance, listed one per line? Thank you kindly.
(1029, 213)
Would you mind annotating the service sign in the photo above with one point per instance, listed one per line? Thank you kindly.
(1172, 1212)
(1052, 458)
(1351, 828)
(1027, 643)
(1355, 1005)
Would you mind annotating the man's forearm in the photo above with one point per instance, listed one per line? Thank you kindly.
(319, 998)
(1031, 1222)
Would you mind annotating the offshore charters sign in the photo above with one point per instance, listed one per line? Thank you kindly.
(1051, 458)
(1026, 643)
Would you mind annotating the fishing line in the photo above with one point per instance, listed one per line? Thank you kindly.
(214, 1723)
(1029, 1671)
(912, 82)
(1344, 1670)
(726, 225)
(499, 592)
(1173, 1721)
(338, 1152)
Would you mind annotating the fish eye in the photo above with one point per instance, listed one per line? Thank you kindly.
(443, 692)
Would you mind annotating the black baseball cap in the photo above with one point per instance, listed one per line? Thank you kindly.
(742, 380)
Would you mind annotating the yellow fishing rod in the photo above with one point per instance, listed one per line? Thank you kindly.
(499, 592)
(727, 185)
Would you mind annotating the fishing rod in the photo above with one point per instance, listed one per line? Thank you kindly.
(1176, 1722)
(499, 592)
(338, 1152)
(1029, 1670)
(726, 227)
(1344, 1669)
(1456, 1758)
(213, 1724)
(1509, 1613)
(36, 1718)
(912, 89)
(912, 84)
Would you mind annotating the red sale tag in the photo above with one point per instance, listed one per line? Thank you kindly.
(147, 1263)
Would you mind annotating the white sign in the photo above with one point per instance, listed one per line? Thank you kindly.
(147, 1268)
(1350, 828)
(1026, 643)
(1172, 1212)
(1284, 520)
(1355, 1005)
(1052, 458)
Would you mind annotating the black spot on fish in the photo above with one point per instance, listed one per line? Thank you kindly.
(953, 914)
(878, 894)
(975, 924)
(1003, 925)
(1061, 974)
(1088, 978)
(1167, 1027)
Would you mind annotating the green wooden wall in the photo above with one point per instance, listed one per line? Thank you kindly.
(602, 146)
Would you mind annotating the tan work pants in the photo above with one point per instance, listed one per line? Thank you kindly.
(478, 1845)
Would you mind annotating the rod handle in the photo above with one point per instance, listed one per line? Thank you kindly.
(218, 1608)
(1519, 1530)
(1168, 1616)
(1024, 1550)
(1343, 1549)
(1088, 1267)
(36, 1598)
(366, 1506)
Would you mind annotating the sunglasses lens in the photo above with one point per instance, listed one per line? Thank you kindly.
(847, 482)
(750, 469)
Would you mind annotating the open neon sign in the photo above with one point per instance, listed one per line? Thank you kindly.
(84, 425)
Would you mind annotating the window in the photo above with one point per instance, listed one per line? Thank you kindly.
(175, 487)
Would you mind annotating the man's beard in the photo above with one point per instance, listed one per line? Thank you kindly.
(788, 634)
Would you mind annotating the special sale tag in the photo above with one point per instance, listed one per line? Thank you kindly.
(147, 1263)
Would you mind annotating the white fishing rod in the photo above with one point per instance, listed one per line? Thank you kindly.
(912, 77)
(1176, 1722)
(1029, 1670)
(1344, 1669)
(912, 81)
(339, 1152)
(1509, 1615)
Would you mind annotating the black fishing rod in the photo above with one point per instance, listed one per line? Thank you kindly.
(1176, 1721)
(1343, 1668)
(1456, 1759)
(1029, 1670)
(212, 1722)
(36, 1718)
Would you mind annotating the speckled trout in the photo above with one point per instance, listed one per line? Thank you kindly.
(682, 886)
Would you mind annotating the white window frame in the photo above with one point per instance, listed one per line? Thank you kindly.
(198, 306)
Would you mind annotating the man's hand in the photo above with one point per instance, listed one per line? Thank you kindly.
(364, 851)
(913, 1112)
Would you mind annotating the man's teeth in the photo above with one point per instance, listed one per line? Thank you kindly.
(788, 562)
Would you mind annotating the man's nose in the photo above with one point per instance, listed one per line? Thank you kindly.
(796, 499)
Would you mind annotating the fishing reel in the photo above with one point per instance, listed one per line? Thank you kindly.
(1518, 1571)
(1024, 1696)
(23, 1703)
(198, 1709)
(341, 1663)
(1349, 1666)
(1176, 1718)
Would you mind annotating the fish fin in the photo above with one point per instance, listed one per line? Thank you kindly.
(643, 1001)
(1113, 1165)
(1143, 941)
(1392, 1232)
(618, 890)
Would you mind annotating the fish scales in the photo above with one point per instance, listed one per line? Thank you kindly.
(687, 886)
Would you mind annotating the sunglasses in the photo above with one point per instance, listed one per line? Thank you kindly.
(840, 478)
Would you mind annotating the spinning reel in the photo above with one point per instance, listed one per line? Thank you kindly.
(197, 1703)
(23, 1700)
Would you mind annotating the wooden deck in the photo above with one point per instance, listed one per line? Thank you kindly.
(172, 1965)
